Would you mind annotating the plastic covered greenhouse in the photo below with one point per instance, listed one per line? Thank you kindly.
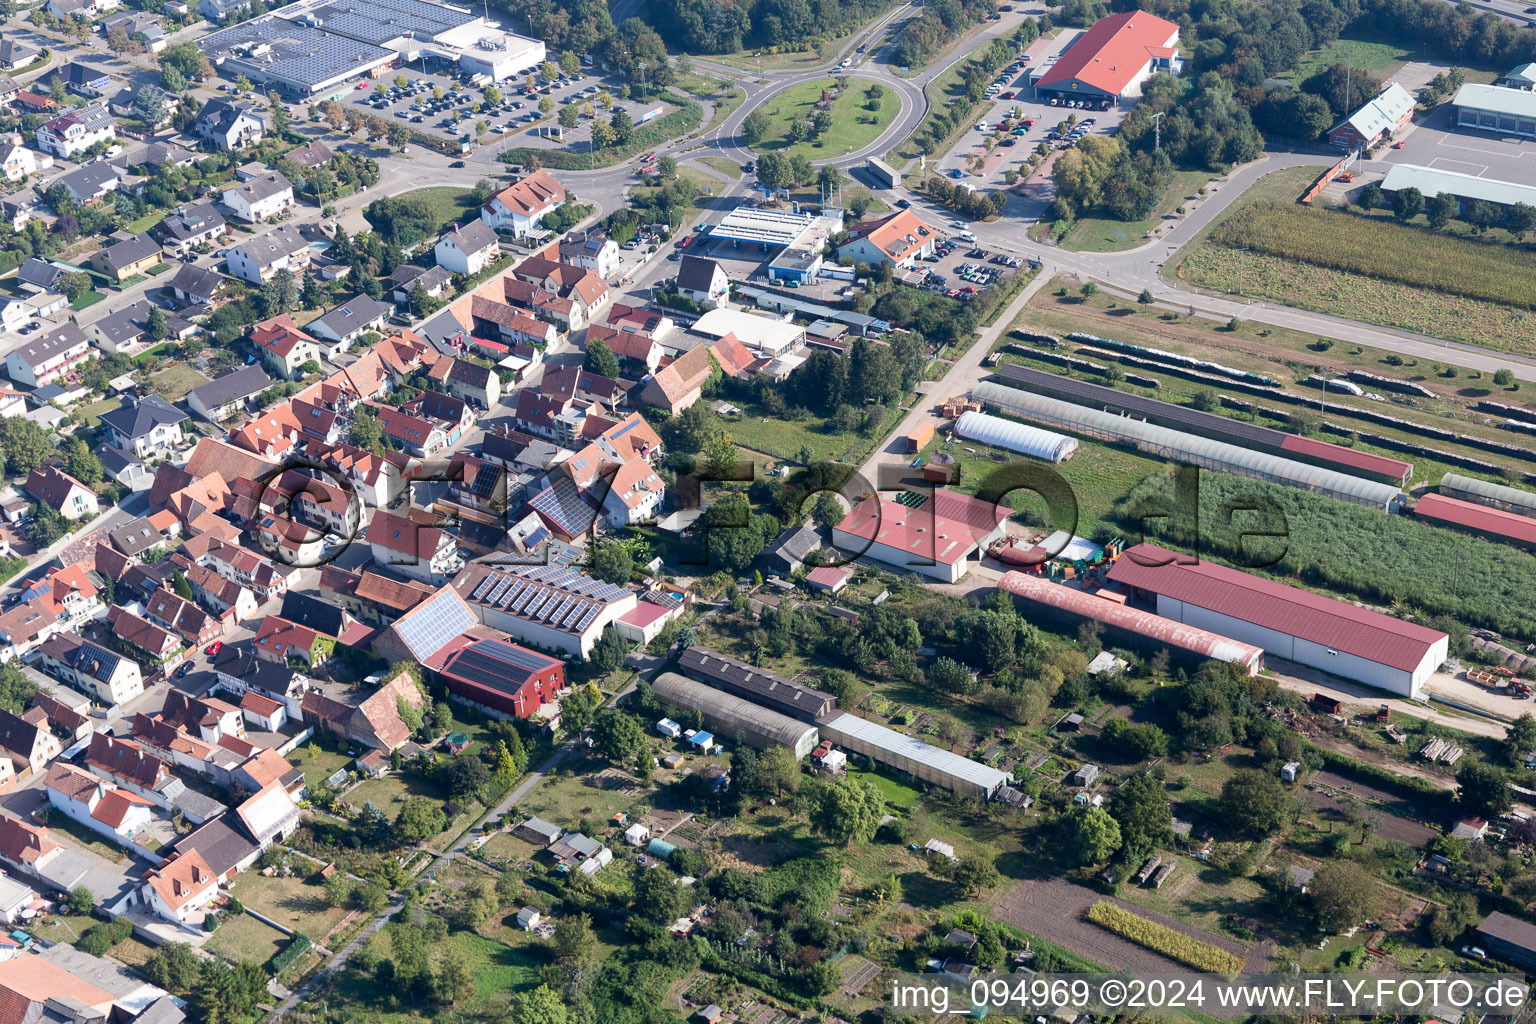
(1189, 449)
(1016, 437)
(1511, 499)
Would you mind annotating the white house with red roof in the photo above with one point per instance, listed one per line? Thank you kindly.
(1108, 63)
(97, 804)
(900, 240)
(180, 889)
(426, 553)
(521, 206)
(262, 712)
(283, 348)
(269, 816)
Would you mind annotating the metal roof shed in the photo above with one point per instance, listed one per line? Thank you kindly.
(733, 716)
(1481, 492)
(918, 759)
(1016, 437)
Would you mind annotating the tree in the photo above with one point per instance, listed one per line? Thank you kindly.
(600, 360)
(771, 772)
(721, 456)
(74, 285)
(1255, 802)
(611, 562)
(1343, 894)
(568, 116)
(1372, 197)
(466, 775)
(657, 896)
(1520, 738)
(366, 431)
(609, 652)
(1140, 807)
(573, 940)
(666, 167)
(1094, 834)
(1483, 789)
(80, 462)
(492, 94)
(1441, 210)
(156, 327)
(616, 735)
(542, 1005)
(1451, 918)
(1502, 377)
(973, 874)
(1407, 203)
(827, 511)
(397, 134)
(47, 526)
(731, 538)
(755, 126)
(420, 819)
(281, 121)
(1520, 219)
(338, 890)
(454, 980)
(180, 585)
(174, 966)
(847, 811)
(80, 900)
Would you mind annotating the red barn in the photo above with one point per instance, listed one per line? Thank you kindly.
(503, 676)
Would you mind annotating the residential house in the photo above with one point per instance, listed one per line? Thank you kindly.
(154, 155)
(118, 814)
(467, 250)
(61, 492)
(310, 156)
(17, 53)
(349, 321)
(29, 102)
(679, 384)
(91, 668)
(632, 345)
(283, 641)
(633, 494)
(45, 360)
(191, 226)
(470, 382)
(87, 9)
(227, 394)
(598, 254)
(133, 629)
(17, 161)
(378, 479)
(20, 208)
(195, 286)
(262, 198)
(141, 25)
(246, 567)
(76, 131)
(229, 124)
(900, 240)
(208, 718)
(182, 617)
(9, 90)
(149, 427)
(127, 330)
(260, 711)
(519, 208)
(413, 434)
(27, 745)
(255, 261)
(180, 889)
(270, 816)
(283, 348)
(568, 314)
(427, 553)
(433, 282)
(497, 320)
(125, 763)
(579, 285)
(504, 677)
(91, 183)
(80, 79)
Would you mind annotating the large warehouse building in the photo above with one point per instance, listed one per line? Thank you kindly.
(311, 47)
(1313, 452)
(920, 760)
(1129, 625)
(1494, 523)
(1309, 629)
(1468, 188)
(1491, 108)
(755, 684)
(1107, 64)
(1190, 449)
(730, 716)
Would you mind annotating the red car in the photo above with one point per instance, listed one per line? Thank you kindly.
(361, 86)
(969, 289)
(215, 647)
(1007, 95)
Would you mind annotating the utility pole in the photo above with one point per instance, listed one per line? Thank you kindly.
(1157, 130)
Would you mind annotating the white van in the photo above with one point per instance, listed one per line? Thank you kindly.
(966, 236)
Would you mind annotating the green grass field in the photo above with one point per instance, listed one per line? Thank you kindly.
(853, 126)
(1102, 234)
(451, 205)
(318, 764)
(1381, 59)
(91, 414)
(292, 902)
(244, 939)
(145, 222)
(173, 382)
(85, 300)
(724, 97)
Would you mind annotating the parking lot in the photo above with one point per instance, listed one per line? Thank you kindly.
(961, 270)
(1437, 142)
(439, 102)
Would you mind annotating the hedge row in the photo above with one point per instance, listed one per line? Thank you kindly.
(1161, 939)
(1410, 786)
(297, 946)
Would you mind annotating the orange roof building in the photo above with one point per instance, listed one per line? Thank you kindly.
(1110, 61)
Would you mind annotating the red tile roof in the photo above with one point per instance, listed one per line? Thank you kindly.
(182, 878)
(256, 704)
(1334, 624)
(1113, 52)
(532, 195)
(115, 805)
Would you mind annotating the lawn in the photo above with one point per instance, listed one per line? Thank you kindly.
(449, 204)
(725, 98)
(173, 382)
(92, 413)
(81, 836)
(85, 300)
(292, 902)
(244, 939)
(1380, 58)
(1104, 234)
(390, 792)
(319, 764)
(730, 168)
(144, 223)
(890, 788)
(783, 438)
(804, 60)
(853, 125)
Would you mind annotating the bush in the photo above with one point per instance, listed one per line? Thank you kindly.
(101, 937)
(1202, 956)
(297, 946)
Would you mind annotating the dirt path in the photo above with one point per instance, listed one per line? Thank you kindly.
(1053, 909)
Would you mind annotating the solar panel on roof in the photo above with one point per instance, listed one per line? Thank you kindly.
(575, 613)
(535, 609)
(516, 608)
(501, 588)
(558, 610)
(517, 587)
(435, 623)
(586, 619)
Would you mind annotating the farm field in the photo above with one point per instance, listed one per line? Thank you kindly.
(1358, 297)
(1382, 249)
(853, 125)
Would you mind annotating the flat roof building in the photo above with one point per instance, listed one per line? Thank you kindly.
(765, 335)
(731, 716)
(1287, 622)
(1492, 108)
(296, 59)
(920, 760)
(1431, 181)
(755, 684)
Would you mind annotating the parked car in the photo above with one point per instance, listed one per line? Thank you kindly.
(214, 648)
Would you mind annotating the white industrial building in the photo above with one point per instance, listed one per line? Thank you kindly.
(1287, 622)
(1491, 108)
(732, 717)
(548, 607)
(922, 761)
(1016, 437)
(765, 335)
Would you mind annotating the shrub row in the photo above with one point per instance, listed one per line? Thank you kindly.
(1161, 939)
(297, 946)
